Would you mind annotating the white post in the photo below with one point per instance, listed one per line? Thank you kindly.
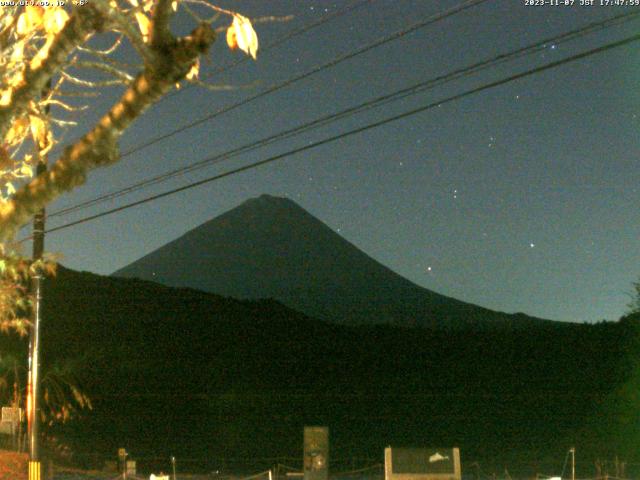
(573, 463)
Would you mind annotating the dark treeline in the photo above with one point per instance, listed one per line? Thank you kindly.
(181, 372)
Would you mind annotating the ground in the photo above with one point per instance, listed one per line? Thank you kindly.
(13, 465)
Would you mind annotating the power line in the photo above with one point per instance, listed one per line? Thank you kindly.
(355, 131)
(376, 102)
(294, 33)
(332, 63)
(376, 43)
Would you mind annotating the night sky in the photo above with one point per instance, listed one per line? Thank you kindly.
(521, 198)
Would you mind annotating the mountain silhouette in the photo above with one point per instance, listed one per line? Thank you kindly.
(270, 247)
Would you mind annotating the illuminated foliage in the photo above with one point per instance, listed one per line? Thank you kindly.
(15, 300)
(52, 59)
(62, 394)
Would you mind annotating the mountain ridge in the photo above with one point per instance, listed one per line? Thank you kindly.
(270, 247)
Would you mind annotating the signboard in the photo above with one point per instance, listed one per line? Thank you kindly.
(11, 414)
(11, 418)
(422, 464)
(316, 453)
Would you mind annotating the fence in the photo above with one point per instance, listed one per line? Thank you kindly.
(353, 468)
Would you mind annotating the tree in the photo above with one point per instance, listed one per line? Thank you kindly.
(63, 394)
(47, 50)
(634, 305)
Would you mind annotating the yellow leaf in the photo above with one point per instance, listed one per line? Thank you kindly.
(10, 188)
(42, 54)
(5, 96)
(145, 25)
(54, 20)
(16, 79)
(17, 131)
(30, 20)
(195, 70)
(22, 27)
(26, 171)
(17, 55)
(242, 35)
(231, 37)
(174, 5)
(38, 130)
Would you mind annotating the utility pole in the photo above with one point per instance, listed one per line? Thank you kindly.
(573, 463)
(34, 343)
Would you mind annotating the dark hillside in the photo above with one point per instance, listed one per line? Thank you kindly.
(177, 371)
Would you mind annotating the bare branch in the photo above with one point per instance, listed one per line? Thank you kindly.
(63, 105)
(121, 75)
(160, 33)
(90, 84)
(225, 88)
(124, 24)
(82, 22)
(64, 93)
(99, 146)
(272, 19)
(64, 123)
(212, 7)
(195, 16)
(103, 53)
